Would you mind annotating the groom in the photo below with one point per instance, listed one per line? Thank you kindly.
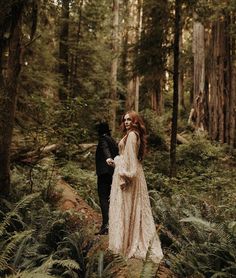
(106, 150)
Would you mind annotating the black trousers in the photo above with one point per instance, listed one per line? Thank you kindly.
(104, 188)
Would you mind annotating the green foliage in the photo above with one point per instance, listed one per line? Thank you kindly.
(199, 151)
(155, 128)
(12, 234)
(32, 274)
(104, 265)
(84, 181)
(148, 269)
(210, 254)
(52, 246)
(196, 210)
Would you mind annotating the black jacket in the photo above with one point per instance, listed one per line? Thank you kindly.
(106, 148)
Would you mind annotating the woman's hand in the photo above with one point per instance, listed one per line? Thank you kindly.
(125, 179)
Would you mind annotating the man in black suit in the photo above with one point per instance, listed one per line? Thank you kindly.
(106, 150)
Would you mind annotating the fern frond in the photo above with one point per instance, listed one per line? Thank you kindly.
(69, 264)
(100, 263)
(148, 270)
(220, 275)
(14, 241)
(32, 274)
(15, 212)
(50, 262)
(200, 222)
(10, 248)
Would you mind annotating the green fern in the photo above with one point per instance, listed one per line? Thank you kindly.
(15, 212)
(148, 270)
(10, 247)
(32, 274)
(69, 264)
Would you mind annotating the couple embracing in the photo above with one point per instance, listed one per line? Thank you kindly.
(131, 228)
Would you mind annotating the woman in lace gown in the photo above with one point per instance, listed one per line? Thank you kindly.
(132, 230)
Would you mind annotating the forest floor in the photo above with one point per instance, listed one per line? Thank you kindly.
(70, 200)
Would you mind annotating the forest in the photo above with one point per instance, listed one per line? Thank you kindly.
(65, 66)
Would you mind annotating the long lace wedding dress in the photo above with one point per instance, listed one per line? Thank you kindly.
(132, 230)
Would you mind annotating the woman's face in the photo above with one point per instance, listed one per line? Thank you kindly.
(127, 121)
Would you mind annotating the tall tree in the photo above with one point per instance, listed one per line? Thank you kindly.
(153, 49)
(10, 66)
(114, 64)
(174, 125)
(197, 114)
(181, 74)
(133, 31)
(64, 49)
(214, 71)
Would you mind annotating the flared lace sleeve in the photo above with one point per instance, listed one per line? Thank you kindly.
(131, 156)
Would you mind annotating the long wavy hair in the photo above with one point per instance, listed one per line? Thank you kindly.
(138, 126)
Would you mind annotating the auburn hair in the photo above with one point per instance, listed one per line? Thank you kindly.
(137, 125)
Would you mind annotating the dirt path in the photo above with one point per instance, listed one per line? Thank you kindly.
(71, 200)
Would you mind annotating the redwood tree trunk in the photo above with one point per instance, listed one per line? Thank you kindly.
(174, 125)
(231, 77)
(220, 83)
(232, 104)
(199, 96)
(8, 87)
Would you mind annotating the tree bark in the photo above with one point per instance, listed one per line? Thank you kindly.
(157, 98)
(134, 25)
(181, 76)
(64, 50)
(220, 83)
(232, 103)
(199, 74)
(114, 64)
(8, 87)
(174, 125)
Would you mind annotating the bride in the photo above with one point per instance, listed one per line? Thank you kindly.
(132, 230)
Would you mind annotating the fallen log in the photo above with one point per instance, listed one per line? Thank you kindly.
(181, 139)
(35, 155)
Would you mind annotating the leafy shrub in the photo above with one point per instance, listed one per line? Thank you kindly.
(199, 151)
(155, 129)
(84, 181)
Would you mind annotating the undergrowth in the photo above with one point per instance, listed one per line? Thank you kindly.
(195, 213)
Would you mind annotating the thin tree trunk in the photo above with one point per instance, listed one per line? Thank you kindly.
(157, 98)
(181, 76)
(174, 125)
(114, 65)
(64, 50)
(134, 26)
(8, 97)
